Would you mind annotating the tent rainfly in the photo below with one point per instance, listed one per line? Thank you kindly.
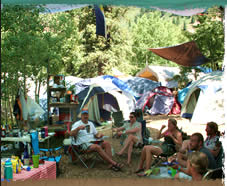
(160, 74)
(204, 101)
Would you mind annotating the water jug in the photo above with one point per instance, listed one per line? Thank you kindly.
(8, 170)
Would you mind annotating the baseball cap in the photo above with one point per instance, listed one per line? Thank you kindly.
(84, 112)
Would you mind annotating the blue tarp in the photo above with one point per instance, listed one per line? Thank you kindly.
(139, 86)
(120, 84)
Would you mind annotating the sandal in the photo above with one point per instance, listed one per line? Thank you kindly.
(139, 170)
(114, 168)
(143, 174)
(118, 166)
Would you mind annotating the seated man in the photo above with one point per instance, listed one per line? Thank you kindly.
(196, 144)
(133, 134)
(183, 152)
(211, 143)
(172, 137)
(86, 137)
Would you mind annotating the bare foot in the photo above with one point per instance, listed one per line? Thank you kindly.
(119, 154)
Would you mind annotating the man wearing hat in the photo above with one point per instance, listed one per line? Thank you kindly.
(85, 135)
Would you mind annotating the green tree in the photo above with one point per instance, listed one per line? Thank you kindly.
(209, 36)
(151, 31)
(101, 54)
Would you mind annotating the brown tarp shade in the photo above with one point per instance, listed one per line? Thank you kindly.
(187, 54)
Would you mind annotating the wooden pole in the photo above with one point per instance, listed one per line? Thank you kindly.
(48, 96)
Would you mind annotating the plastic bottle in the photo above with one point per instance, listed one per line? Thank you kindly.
(8, 171)
(19, 166)
(3, 169)
(43, 133)
(14, 165)
(3, 130)
(26, 155)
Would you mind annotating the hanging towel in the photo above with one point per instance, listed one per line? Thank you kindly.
(35, 142)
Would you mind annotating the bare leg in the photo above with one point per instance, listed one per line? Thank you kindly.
(150, 151)
(107, 147)
(130, 152)
(129, 139)
(143, 158)
(102, 153)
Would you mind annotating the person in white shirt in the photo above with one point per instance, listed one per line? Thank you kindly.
(85, 135)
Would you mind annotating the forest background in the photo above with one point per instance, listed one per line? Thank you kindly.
(67, 42)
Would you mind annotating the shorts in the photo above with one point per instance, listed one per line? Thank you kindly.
(167, 149)
(85, 146)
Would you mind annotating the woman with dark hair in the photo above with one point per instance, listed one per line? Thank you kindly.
(212, 139)
(172, 138)
(133, 134)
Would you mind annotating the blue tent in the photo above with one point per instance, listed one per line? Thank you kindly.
(139, 85)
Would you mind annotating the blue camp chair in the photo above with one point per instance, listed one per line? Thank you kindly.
(49, 155)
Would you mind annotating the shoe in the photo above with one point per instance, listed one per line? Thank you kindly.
(114, 168)
(143, 174)
(118, 166)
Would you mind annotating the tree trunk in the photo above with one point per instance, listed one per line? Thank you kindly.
(10, 110)
(36, 90)
(39, 85)
(5, 93)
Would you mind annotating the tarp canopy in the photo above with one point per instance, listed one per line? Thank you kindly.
(107, 82)
(165, 4)
(186, 54)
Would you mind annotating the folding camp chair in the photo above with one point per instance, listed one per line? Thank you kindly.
(86, 157)
(83, 156)
(161, 158)
(139, 115)
(214, 174)
(76, 153)
(50, 155)
(118, 118)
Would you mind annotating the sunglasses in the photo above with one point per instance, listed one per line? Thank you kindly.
(131, 116)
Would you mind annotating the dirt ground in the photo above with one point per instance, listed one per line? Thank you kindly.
(100, 170)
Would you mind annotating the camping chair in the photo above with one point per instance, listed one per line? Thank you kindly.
(164, 157)
(50, 155)
(45, 154)
(86, 157)
(214, 174)
(118, 118)
(161, 158)
(144, 136)
(139, 115)
(75, 152)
